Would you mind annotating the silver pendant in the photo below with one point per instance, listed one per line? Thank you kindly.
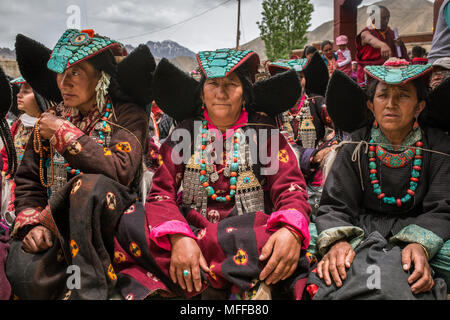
(227, 172)
(214, 177)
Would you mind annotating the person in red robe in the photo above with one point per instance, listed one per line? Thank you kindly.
(235, 231)
(377, 43)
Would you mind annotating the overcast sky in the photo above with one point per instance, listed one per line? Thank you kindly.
(195, 24)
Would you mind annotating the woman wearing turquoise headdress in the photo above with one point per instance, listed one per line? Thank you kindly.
(306, 124)
(218, 221)
(384, 218)
(83, 165)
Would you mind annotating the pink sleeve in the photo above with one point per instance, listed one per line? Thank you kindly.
(293, 218)
(64, 136)
(159, 234)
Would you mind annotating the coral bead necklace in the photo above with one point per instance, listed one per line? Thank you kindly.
(414, 179)
(233, 167)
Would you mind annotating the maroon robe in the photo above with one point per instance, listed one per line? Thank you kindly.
(367, 55)
(230, 243)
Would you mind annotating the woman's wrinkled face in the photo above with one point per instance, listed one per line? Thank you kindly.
(223, 98)
(77, 84)
(395, 107)
(328, 51)
(26, 101)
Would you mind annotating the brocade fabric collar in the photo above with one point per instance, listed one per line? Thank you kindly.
(378, 137)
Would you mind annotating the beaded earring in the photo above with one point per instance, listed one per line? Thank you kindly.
(375, 124)
(416, 124)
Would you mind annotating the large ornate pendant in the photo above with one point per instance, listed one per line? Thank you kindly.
(394, 160)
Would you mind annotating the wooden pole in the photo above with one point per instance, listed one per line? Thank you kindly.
(238, 33)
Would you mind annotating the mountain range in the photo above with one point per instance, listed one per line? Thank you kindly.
(409, 16)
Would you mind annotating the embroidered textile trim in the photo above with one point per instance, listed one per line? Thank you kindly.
(416, 234)
(378, 137)
(327, 238)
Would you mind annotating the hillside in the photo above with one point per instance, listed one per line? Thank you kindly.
(409, 16)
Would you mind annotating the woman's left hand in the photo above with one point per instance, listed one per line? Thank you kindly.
(283, 248)
(48, 125)
(421, 280)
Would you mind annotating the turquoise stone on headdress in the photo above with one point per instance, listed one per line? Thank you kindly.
(19, 80)
(75, 46)
(298, 64)
(397, 74)
(220, 63)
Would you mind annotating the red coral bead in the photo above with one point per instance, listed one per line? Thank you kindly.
(410, 192)
(373, 171)
(414, 179)
(381, 196)
(419, 144)
(214, 196)
(399, 202)
(417, 168)
(371, 148)
(374, 181)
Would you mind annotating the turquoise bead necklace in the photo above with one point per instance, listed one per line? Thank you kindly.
(234, 166)
(414, 179)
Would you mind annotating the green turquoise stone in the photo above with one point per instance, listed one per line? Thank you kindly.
(203, 166)
(234, 167)
(209, 190)
(373, 176)
(232, 193)
(219, 63)
(371, 154)
(372, 165)
(221, 55)
(377, 191)
(216, 72)
(221, 199)
(417, 162)
(233, 180)
(376, 186)
(415, 174)
(389, 200)
(203, 179)
(406, 198)
(418, 151)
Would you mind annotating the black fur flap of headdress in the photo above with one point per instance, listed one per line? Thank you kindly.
(5, 94)
(346, 103)
(437, 112)
(5, 133)
(317, 76)
(32, 58)
(14, 109)
(135, 74)
(175, 92)
(277, 93)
